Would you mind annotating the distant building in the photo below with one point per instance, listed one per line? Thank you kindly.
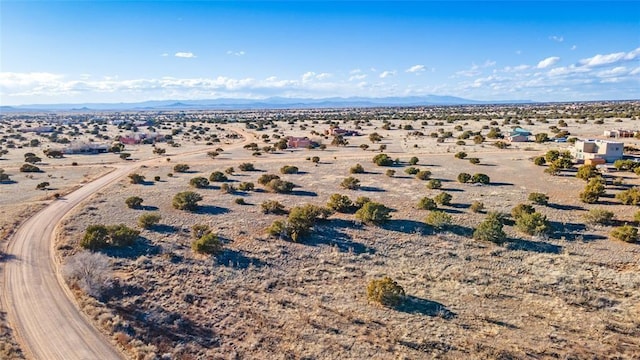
(519, 135)
(86, 148)
(619, 133)
(141, 138)
(299, 142)
(335, 131)
(609, 151)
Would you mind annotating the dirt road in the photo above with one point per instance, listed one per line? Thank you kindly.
(39, 306)
(44, 318)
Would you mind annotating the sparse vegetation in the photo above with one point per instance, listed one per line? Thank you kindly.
(538, 198)
(373, 213)
(626, 233)
(599, 217)
(490, 229)
(147, 221)
(356, 169)
(340, 203)
(100, 236)
(385, 291)
(186, 200)
(444, 198)
(134, 202)
(199, 182)
(350, 183)
(181, 168)
(427, 203)
(289, 169)
(438, 219)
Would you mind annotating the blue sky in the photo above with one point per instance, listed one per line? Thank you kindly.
(111, 51)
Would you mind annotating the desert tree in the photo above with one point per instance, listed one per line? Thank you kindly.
(490, 229)
(385, 291)
(186, 200)
(89, 272)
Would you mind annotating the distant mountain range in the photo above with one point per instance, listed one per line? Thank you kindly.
(269, 103)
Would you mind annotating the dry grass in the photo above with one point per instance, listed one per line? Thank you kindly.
(571, 295)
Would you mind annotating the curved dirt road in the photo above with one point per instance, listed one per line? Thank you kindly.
(48, 324)
(46, 321)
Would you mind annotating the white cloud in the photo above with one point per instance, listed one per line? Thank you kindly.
(236, 53)
(489, 63)
(416, 69)
(186, 55)
(357, 77)
(573, 47)
(617, 71)
(355, 71)
(599, 60)
(548, 62)
(308, 75)
(11, 79)
(556, 38)
(386, 74)
(323, 76)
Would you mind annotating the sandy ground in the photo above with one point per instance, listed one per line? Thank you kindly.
(573, 293)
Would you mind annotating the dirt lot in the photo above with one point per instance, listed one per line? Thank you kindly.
(571, 294)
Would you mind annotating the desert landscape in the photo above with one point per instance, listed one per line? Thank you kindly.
(235, 244)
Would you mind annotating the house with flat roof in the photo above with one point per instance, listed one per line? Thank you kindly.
(608, 151)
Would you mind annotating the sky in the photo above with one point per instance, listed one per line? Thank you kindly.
(116, 51)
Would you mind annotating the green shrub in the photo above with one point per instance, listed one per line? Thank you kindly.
(360, 201)
(438, 219)
(207, 244)
(630, 196)
(390, 172)
(280, 186)
(272, 207)
(464, 178)
(340, 203)
(373, 212)
(443, 198)
(240, 201)
(592, 192)
(538, 198)
(460, 155)
(180, 168)
(199, 182)
(4, 176)
(95, 237)
(350, 183)
(599, 217)
(147, 221)
(186, 200)
(636, 217)
(539, 160)
(356, 169)
(136, 178)
(134, 202)
(100, 236)
(626, 233)
(414, 160)
(227, 188)
(480, 178)
(382, 160)
(423, 175)
(229, 170)
(477, 206)
(490, 229)
(218, 176)
(289, 169)
(532, 223)
(43, 185)
(474, 160)
(199, 230)
(29, 168)
(246, 167)
(427, 204)
(299, 222)
(385, 291)
(246, 186)
(521, 209)
(586, 172)
(266, 178)
(411, 170)
(156, 178)
(434, 184)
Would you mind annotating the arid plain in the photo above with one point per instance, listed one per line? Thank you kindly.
(570, 293)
